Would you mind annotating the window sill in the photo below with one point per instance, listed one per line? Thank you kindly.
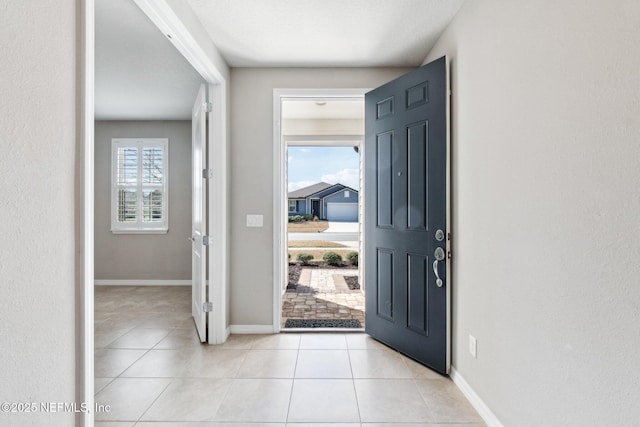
(139, 231)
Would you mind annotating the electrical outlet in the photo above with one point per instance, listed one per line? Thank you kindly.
(473, 346)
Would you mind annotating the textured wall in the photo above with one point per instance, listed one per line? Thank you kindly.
(252, 174)
(37, 168)
(546, 172)
(140, 256)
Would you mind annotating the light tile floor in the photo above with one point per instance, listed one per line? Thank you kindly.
(153, 372)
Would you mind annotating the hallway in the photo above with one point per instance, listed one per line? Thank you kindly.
(152, 371)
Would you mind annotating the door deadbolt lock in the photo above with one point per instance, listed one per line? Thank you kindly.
(439, 235)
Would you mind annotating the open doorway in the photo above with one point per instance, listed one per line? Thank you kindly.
(103, 321)
(322, 143)
(323, 238)
(144, 94)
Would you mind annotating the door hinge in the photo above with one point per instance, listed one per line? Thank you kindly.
(206, 240)
(207, 173)
(208, 107)
(207, 307)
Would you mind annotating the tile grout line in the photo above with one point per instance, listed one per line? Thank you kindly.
(226, 393)
(431, 415)
(293, 381)
(133, 363)
(154, 401)
(353, 382)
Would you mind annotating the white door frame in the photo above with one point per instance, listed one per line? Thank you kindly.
(280, 213)
(169, 23)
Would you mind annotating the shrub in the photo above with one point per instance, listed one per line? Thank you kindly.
(353, 258)
(332, 258)
(296, 218)
(307, 217)
(304, 258)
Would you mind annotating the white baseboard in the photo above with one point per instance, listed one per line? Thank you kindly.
(483, 410)
(142, 282)
(251, 329)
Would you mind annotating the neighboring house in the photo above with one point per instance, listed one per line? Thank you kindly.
(331, 202)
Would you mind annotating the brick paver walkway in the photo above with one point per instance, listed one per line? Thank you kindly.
(323, 294)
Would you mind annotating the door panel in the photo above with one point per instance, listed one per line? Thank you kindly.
(406, 158)
(199, 224)
(385, 282)
(417, 293)
(384, 179)
(417, 191)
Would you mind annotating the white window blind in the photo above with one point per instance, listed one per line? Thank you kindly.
(139, 185)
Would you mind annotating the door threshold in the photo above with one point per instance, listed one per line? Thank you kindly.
(306, 330)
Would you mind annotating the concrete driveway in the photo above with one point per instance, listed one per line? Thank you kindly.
(342, 227)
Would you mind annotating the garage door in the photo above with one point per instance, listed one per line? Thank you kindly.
(342, 212)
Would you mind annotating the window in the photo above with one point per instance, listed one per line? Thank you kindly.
(292, 206)
(346, 193)
(139, 197)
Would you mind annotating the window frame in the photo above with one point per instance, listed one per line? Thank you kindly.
(140, 226)
(295, 205)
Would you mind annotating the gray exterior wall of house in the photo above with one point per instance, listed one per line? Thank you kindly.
(319, 196)
(305, 206)
(339, 197)
(300, 208)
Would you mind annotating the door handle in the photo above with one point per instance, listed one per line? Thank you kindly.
(439, 256)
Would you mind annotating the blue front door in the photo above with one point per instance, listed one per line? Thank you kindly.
(407, 303)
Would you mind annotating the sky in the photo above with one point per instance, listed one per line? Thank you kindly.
(310, 165)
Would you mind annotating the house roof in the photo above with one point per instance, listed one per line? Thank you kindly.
(305, 192)
(309, 191)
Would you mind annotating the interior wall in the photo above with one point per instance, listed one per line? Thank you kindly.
(144, 256)
(546, 236)
(37, 208)
(252, 174)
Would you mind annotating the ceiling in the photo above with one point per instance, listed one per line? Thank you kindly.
(324, 109)
(325, 33)
(140, 74)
